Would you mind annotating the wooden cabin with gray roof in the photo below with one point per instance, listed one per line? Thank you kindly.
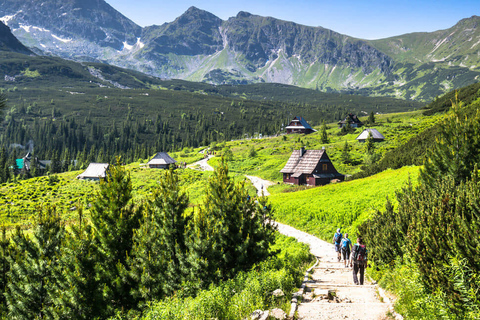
(310, 167)
(299, 125)
(161, 161)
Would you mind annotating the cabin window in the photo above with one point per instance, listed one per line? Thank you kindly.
(324, 167)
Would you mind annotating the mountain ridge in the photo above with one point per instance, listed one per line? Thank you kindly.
(199, 46)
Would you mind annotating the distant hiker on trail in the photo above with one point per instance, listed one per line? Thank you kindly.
(337, 240)
(359, 257)
(346, 248)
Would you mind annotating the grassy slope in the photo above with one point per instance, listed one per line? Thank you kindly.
(273, 153)
(320, 211)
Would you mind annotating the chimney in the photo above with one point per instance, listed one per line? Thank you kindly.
(302, 151)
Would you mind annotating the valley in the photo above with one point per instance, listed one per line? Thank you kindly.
(82, 86)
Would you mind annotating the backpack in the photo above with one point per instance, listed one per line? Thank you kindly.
(338, 238)
(360, 253)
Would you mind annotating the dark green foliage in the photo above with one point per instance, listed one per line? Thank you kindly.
(456, 150)
(323, 133)
(114, 219)
(371, 118)
(31, 284)
(160, 249)
(369, 144)
(230, 231)
(346, 153)
(79, 294)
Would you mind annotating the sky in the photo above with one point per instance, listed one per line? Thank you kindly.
(365, 19)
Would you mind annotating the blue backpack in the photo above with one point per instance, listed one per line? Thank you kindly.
(338, 237)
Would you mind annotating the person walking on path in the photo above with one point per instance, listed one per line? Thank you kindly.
(337, 240)
(359, 256)
(346, 248)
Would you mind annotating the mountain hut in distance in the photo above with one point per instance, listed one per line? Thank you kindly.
(376, 136)
(299, 125)
(94, 172)
(352, 120)
(310, 167)
(161, 161)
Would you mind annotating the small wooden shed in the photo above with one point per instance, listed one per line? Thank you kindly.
(310, 167)
(94, 171)
(299, 125)
(161, 161)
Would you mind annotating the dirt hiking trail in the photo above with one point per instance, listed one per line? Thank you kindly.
(350, 301)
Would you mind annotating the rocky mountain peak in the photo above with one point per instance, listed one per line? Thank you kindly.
(8, 42)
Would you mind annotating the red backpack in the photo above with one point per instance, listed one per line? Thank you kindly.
(360, 253)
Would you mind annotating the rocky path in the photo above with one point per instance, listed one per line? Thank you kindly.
(261, 185)
(202, 165)
(329, 292)
(347, 300)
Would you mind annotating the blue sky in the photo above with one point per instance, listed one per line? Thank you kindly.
(362, 19)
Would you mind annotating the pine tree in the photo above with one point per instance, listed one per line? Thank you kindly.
(114, 219)
(371, 118)
(79, 294)
(323, 133)
(346, 153)
(369, 144)
(32, 284)
(456, 150)
(159, 254)
(236, 233)
(5, 255)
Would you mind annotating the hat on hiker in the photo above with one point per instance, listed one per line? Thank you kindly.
(338, 230)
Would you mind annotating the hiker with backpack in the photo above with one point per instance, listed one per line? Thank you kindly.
(346, 248)
(337, 240)
(359, 257)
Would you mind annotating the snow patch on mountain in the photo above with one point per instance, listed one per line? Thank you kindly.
(61, 39)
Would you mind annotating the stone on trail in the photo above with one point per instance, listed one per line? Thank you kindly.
(259, 315)
(278, 314)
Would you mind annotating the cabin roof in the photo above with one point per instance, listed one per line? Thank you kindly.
(162, 158)
(94, 170)
(375, 134)
(304, 164)
(302, 121)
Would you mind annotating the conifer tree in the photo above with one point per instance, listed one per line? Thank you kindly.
(369, 144)
(5, 255)
(79, 294)
(32, 284)
(159, 254)
(456, 150)
(323, 133)
(346, 153)
(114, 219)
(371, 118)
(236, 231)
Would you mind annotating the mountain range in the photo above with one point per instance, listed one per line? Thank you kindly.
(199, 46)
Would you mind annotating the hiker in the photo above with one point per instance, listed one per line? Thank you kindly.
(359, 257)
(346, 248)
(337, 240)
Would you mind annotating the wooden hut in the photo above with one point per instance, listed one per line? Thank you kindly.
(310, 167)
(299, 125)
(161, 161)
(94, 171)
(352, 120)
